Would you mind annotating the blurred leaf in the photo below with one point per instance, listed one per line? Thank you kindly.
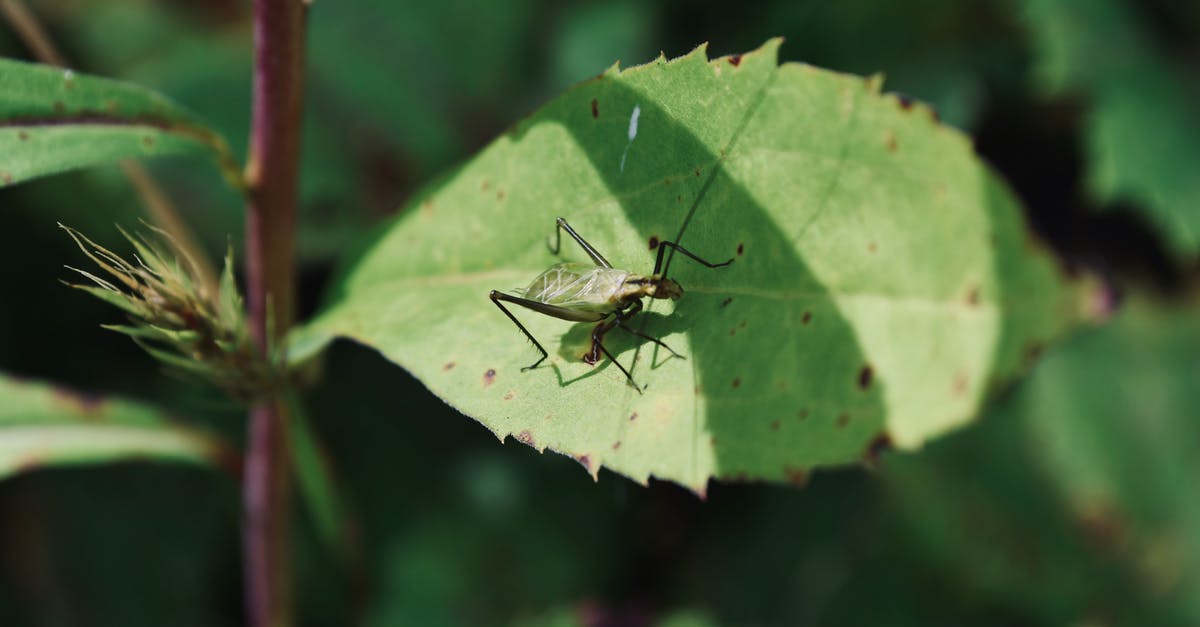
(884, 280)
(53, 120)
(1112, 418)
(315, 480)
(1143, 135)
(44, 426)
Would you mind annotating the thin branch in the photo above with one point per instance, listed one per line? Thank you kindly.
(155, 202)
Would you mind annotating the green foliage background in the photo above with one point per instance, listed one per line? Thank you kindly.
(1071, 501)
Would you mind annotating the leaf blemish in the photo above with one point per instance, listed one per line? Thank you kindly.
(5, 178)
(875, 448)
(889, 140)
(774, 425)
(485, 185)
(806, 317)
(741, 248)
(653, 242)
(633, 416)
(616, 445)
(973, 296)
(802, 414)
(864, 376)
(449, 366)
(147, 140)
(960, 383)
(725, 303)
(737, 382)
(525, 437)
(843, 419)
(59, 107)
(508, 395)
(489, 377)
(796, 476)
(697, 171)
(872, 247)
(595, 108)
(585, 461)
(735, 60)
(500, 195)
(22, 135)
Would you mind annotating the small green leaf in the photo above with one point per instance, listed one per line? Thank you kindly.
(53, 120)
(43, 425)
(1142, 134)
(883, 279)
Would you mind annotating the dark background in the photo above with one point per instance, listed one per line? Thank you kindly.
(455, 528)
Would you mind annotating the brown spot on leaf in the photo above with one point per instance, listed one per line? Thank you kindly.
(653, 242)
(22, 135)
(500, 194)
(774, 425)
(697, 172)
(802, 414)
(5, 178)
(973, 296)
(737, 382)
(508, 395)
(735, 60)
(875, 449)
(595, 108)
(449, 366)
(59, 107)
(960, 383)
(864, 376)
(87, 405)
(633, 416)
(742, 324)
(485, 185)
(584, 461)
(489, 377)
(147, 140)
(741, 248)
(1033, 350)
(889, 140)
(112, 106)
(806, 317)
(872, 247)
(795, 475)
(843, 419)
(725, 303)
(526, 437)
(906, 102)
(616, 445)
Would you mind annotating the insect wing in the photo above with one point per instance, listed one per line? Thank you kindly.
(577, 286)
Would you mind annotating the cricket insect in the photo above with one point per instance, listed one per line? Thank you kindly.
(600, 293)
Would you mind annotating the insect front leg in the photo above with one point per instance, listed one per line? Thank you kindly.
(501, 296)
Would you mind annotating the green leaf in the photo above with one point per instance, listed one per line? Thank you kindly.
(53, 120)
(1112, 418)
(883, 279)
(1142, 134)
(42, 426)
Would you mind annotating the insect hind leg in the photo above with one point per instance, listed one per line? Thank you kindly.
(598, 347)
(501, 296)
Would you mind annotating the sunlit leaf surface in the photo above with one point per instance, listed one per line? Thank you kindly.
(883, 280)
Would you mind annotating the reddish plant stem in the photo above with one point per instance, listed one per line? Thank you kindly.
(271, 187)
